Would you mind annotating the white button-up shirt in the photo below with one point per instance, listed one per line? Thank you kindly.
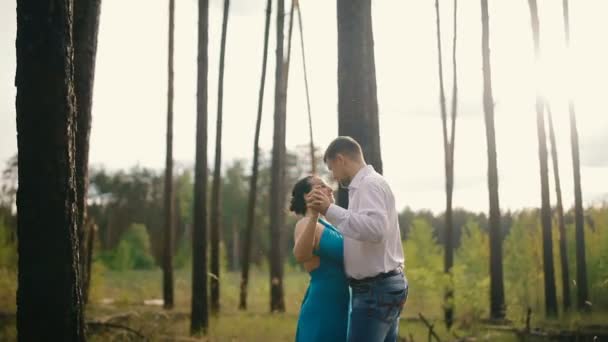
(370, 226)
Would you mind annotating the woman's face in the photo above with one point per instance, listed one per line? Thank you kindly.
(318, 183)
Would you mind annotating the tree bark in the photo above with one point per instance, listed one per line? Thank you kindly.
(88, 262)
(277, 186)
(357, 97)
(217, 174)
(169, 193)
(582, 288)
(49, 297)
(313, 161)
(448, 142)
(253, 181)
(497, 295)
(563, 249)
(549, 272)
(86, 28)
(200, 317)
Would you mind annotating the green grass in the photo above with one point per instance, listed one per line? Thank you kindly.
(129, 289)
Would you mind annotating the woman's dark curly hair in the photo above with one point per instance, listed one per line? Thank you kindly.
(301, 188)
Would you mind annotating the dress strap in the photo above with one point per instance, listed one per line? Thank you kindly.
(328, 225)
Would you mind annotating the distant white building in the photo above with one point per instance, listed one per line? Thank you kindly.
(94, 197)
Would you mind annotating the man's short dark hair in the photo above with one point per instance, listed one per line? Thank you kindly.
(343, 145)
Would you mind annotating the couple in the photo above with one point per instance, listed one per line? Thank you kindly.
(354, 256)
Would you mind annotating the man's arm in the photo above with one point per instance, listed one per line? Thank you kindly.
(370, 221)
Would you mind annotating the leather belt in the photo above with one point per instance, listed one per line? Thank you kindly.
(380, 276)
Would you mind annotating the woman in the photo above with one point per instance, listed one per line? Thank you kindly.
(319, 248)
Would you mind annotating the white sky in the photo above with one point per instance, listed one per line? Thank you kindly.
(131, 85)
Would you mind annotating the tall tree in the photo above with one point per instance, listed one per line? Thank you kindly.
(582, 288)
(357, 97)
(277, 186)
(253, 181)
(49, 298)
(200, 313)
(169, 197)
(448, 147)
(217, 174)
(313, 161)
(549, 272)
(563, 249)
(497, 293)
(86, 27)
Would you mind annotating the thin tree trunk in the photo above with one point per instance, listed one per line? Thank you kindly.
(357, 96)
(49, 297)
(86, 27)
(563, 249)
(253, 181)
(582, 288)
(235, 245)
(217, 174)
(277, 213)
(449, 170)
(169, 193)
(497, 294)
(91, 236)
(313, 161)
(549, 272)
(290, 32)
(200, 317)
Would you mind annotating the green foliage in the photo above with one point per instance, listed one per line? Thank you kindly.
(522, 257)
(132, 252)
(8, 246)
(596, 241)
(424, 268)
(183, 254)
(471, 278)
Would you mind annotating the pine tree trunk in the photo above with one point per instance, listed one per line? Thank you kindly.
(549, 272)
(169, 193)
(497, 294)
(448, 163)
(357, 97)
(49, 297)
(313, 160)
(253, 181)
(217, 174)
(563, 249)
(582, 288)
(91, 236)
(200, 314)
(235, 245)
(277, 186)
(86, 27)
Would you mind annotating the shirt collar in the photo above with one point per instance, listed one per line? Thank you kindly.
(364, 171)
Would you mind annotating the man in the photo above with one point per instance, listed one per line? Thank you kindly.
(373, 253)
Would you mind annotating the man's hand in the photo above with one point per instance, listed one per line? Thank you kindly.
(317, 200)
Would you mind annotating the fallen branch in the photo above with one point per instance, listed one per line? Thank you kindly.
(96, 324)
(120, 316)
(430, 326)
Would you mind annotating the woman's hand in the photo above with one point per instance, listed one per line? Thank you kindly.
(310, 207)
(318, 201)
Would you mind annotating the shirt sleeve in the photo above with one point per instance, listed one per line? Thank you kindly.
(369, 222)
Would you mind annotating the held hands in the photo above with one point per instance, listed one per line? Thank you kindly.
(317, 201)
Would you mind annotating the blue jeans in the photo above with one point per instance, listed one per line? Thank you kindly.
(376, 307)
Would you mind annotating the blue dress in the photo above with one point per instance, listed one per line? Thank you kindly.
(325, 309)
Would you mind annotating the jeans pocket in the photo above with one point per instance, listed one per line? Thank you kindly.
(391, 301)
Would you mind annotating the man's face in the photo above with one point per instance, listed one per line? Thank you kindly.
(337, 166)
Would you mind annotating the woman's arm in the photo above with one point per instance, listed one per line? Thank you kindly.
(305, 233)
